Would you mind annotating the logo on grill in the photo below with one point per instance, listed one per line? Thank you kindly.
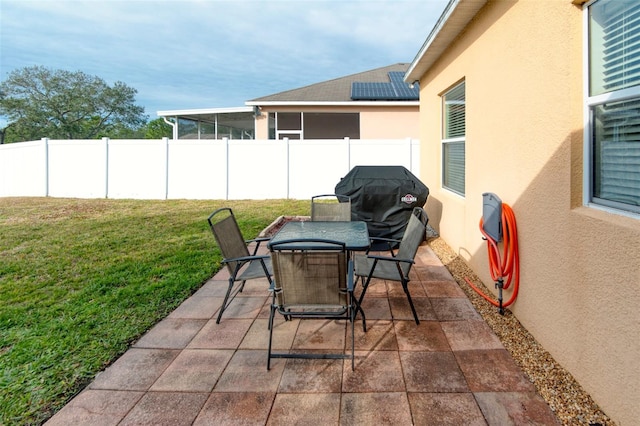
(409, 199)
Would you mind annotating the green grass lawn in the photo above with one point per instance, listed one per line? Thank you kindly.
(80, 280)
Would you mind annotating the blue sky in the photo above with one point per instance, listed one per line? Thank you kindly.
(184, 54)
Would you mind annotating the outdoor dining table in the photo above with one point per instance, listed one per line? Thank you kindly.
(354, 234)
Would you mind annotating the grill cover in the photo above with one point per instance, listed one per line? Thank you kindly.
(383, 197)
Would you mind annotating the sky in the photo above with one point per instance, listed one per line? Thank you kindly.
(192, 54)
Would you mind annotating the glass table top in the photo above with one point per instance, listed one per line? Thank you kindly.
(354, 234)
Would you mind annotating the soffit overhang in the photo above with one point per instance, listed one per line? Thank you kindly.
(454, 19)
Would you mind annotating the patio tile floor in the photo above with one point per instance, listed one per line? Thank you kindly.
(449, 370)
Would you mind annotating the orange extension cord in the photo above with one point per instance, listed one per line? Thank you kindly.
(504, 268)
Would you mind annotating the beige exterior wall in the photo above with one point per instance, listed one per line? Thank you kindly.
(387, 123)
(580, 266)
(262, 126)
(375, 122)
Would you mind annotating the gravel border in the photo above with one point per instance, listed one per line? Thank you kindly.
(571, 404)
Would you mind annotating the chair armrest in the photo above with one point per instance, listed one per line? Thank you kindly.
(393, 240)
(389, 242)
(257, 241)
(245, 258)
(390, 258)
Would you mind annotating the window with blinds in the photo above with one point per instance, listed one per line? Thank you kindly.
(614, 70)
(453, 140)
(614, 35)
(616, 150)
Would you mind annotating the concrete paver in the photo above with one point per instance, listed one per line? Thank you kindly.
(450, 369)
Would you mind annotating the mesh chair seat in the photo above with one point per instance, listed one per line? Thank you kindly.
(383, 270)
(395, 266)
(254, 269)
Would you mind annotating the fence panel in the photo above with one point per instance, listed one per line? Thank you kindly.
(137, 169)
(381, 152)
(197, 170)
(78, 168)
(257, 169)
(23, 169)
(211, 169)
(316, 166)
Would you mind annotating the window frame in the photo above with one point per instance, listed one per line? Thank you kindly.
(590, 102)
(451, 140)
(308, 127)
(296, 131)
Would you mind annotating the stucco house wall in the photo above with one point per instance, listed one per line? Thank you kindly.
(262, 126)
(389, 123)
(522, 63)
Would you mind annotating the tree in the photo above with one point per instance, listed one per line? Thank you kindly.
(158, 129)
(39, 102)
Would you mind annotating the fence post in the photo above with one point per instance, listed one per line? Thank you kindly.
(45, 143)
(225, 140)
(165, 140)
(106, 167)
(286, 141)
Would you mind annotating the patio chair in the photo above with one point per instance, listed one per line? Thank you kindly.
(313, 279)
(397, 265)
(330, 207)
(242, 265)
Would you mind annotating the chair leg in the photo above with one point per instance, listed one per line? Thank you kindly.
(354, 312)
(405, 287)
(273, 301)
(353, 334)
(365, 285)
(271, 315)
(224, 303)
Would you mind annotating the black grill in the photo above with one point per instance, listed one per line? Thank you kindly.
(384, 197)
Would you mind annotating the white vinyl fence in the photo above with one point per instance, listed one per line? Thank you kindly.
(192, 169)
